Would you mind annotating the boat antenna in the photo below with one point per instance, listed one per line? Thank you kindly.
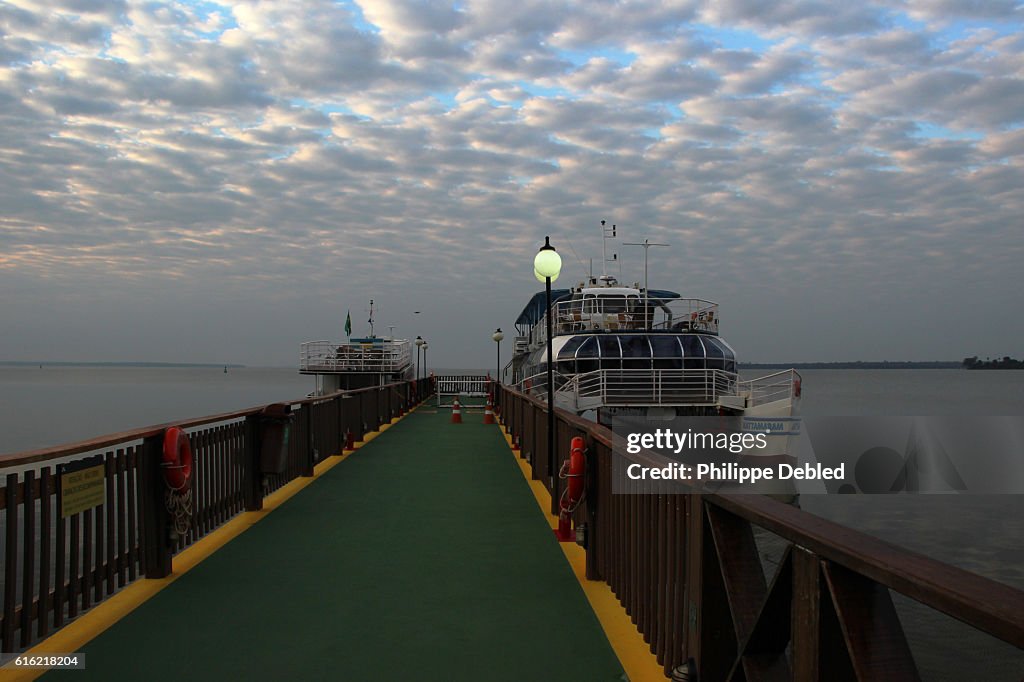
(371, 318)
(391, 331)
(647, 244)
(571, 248)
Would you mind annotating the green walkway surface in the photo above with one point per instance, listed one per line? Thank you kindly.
(423, 556)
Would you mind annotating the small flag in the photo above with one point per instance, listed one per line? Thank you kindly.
(348, 324)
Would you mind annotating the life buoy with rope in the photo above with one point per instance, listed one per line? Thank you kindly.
(177, 459)
(177, 467)
(574, 471)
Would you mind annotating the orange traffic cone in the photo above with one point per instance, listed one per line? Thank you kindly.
(488, 415)
(456, 412)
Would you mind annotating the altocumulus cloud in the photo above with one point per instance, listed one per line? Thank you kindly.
(845, 179)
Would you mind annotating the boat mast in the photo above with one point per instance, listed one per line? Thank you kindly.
(371, 318)
(647, 244)
(607, 233)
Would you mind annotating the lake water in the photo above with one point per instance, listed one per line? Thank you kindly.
(984, 534)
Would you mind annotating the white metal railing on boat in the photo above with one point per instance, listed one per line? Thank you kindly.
(371, 355)
(628, 313)
(768, 389)
(654, 387)
(625, 387)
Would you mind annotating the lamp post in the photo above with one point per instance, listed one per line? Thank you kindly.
(419, 347)
(425, 347)
(547, 264)
(498, 335)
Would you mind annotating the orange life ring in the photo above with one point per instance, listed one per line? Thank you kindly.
(177, 459)
(577, 467)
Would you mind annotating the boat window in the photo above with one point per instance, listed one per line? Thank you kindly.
(636, 352)
(568, 351)
(715, 353)
(586, 356)
(611, 354)
(589, 304)
(667, 352)
(693, 351)
(613, 304)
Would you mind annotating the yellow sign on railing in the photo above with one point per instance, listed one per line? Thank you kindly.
(82, 486)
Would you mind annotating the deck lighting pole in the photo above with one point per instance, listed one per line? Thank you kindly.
(547, 264)
(498, 335)
(425, 347)
(419, 347)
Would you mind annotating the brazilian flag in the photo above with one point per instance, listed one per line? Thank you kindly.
(348, 324)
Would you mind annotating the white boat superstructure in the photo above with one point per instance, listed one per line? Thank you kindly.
(356, 363)
(632, 351)
(620, 349)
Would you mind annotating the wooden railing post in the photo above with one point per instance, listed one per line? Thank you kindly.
(306, 414)
(252, 477)
(592, 492)
(153, 488)
(806, 615)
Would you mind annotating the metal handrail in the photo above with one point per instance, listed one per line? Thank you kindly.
(628, 313)
(632, 387)
(352, 356)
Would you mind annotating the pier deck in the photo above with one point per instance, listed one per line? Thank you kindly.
(423, 556)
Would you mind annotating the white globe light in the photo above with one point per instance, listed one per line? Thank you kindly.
(498, 335)
(540, 277)
(547, 263)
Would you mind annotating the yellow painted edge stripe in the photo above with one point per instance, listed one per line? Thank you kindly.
(633, 652)
(75, 635)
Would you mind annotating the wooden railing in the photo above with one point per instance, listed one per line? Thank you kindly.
(54, 567)
(689, 573)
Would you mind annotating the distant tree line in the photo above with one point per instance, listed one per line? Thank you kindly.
(1006, 363)
(858, 364)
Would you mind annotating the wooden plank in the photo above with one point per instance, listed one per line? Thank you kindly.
(745, 587)
(806, 615)
(87, 566)
(45, 540)
(134, 534)
(871, 629)
(28, 568)
(111, 523)
(763, 654)
(122, 520)
(59, 572)
(75, 549)
(10, 562)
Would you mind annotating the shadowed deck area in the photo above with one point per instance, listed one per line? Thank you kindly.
(423, 556)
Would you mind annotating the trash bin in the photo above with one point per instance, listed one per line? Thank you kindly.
(275, 424)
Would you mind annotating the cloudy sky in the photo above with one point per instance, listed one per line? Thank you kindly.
(193, 181)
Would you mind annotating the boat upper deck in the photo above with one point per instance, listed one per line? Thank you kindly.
(613, 309)
(369, 355)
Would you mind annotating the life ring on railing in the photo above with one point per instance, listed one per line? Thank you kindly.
(177, 459)
(574, 469)
(796, 387)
